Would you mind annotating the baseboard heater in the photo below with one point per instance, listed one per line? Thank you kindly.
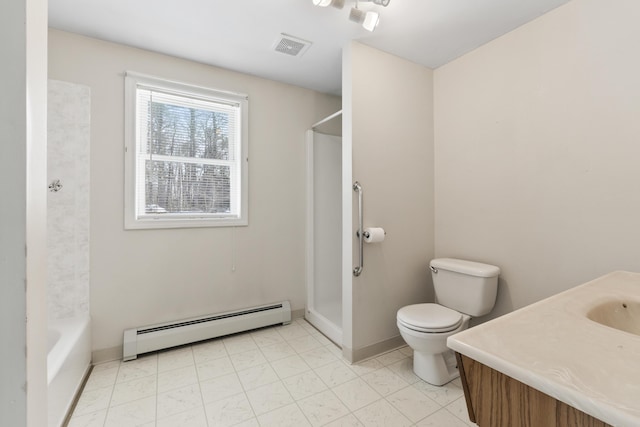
(157, 337)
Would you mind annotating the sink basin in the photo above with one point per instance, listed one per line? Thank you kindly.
(621, 315)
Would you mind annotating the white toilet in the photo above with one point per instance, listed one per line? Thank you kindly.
(463, 289)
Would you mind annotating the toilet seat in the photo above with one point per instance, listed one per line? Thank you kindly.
(429, 318)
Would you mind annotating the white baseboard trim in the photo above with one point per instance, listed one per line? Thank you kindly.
(297, 314)
(106, 355)
(359, 354)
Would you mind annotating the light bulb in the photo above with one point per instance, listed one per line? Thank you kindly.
(369, 20)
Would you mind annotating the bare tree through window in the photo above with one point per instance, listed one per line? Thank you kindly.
(187, 186)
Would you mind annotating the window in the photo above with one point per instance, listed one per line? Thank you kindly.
(185, 155)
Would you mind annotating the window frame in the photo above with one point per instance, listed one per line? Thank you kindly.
(133, 171)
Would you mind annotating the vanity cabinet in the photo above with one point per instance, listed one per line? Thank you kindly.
(497, 400)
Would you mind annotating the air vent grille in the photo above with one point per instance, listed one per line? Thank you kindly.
(290, 45)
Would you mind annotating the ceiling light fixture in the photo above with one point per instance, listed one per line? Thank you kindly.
(369, 19)
(335, 3)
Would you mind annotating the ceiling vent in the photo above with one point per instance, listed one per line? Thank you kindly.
(290, 45)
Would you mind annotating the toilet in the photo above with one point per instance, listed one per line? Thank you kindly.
(463, 289)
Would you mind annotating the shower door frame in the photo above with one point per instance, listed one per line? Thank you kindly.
(324, 325)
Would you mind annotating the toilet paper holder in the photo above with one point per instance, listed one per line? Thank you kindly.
(374, 234)
(365, 233)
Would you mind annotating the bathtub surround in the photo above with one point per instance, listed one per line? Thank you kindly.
(388, 149)
(69, 356)
(144, 277)
(68, 151)
(536, 155)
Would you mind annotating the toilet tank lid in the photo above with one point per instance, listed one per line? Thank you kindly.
(466, 267)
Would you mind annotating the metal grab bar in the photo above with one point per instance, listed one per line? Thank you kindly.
(357, 270)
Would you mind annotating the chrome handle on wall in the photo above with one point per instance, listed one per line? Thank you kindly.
(55, 186)
(358, 270)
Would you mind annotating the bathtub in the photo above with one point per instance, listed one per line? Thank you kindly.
(68, 361)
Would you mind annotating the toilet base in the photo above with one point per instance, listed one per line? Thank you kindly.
(436, 369)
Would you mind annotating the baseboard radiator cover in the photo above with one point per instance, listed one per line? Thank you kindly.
(165, 335)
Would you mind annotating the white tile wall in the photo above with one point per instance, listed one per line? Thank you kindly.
(280, 376)
(68, 136)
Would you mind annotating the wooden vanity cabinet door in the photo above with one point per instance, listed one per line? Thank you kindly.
(497, 400)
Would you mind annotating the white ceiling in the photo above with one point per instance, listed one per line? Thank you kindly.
(239, 34)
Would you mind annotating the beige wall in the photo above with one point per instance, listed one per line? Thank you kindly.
(147, 276)
(537, 151)
(388, 127)
(23, 126)
(36, 220)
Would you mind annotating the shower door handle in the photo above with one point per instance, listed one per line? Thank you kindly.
(358, 270)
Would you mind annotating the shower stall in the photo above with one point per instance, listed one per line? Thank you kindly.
(324, 227)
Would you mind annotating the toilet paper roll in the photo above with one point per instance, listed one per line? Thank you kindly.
(374, 234)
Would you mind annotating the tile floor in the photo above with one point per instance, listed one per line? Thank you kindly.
(280, 376)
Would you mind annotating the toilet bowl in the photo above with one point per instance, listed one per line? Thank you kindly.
(463, 289)
(425, 328)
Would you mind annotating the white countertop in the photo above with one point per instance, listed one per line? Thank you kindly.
(553, 347)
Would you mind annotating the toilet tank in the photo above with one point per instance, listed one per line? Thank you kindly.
(465, 286)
